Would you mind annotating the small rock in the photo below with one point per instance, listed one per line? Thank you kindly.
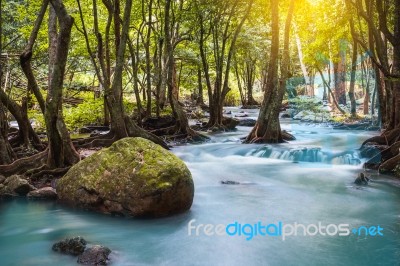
(285, 115)
(43, 193)
(73, 246)
(247, 122)
(230, 182)
(95, 255)
(2, 179)
(361, 179)
(241, 115)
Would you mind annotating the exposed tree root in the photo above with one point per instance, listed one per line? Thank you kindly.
(99, 141)
(49, 172)
(386, 138)
(80, 143)
(287, 136)
(389, 156)
(135, 131)
(390, 165)
(278, 136)
(22, 165)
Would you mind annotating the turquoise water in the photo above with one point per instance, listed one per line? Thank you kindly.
(307, 181)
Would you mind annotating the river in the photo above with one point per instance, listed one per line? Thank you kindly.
(307, 181)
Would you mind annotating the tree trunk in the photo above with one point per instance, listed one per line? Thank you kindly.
(61, 151)
(267, 128)
(353, 109)
(250, 77)
(340, 80)
(396, 69)
(366, 85)
(200, 98)
(26, 134)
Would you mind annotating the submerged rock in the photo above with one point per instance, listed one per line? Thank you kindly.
(95, 255)
(43, 193)
(134, 177)
(229, 182)
(73, 246)
(361, 179)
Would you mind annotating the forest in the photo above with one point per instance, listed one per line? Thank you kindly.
(175, 79)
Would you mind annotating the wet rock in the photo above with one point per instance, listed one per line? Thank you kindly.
(95, 255)
(230, 123)
(229, 182)
(73, 246)
(361, 179)
(134, 177)
(47, 193)
(285, 115)
(242, 115)
(247, 122)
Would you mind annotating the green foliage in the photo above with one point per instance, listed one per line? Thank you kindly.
(305, 104)
(232, 98)
(89, 112)
(37, 118)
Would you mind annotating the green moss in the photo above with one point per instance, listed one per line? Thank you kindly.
(130, 164)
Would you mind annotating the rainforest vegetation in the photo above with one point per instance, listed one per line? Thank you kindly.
(165, 69)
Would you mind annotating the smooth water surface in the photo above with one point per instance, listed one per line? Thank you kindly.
(307, 181)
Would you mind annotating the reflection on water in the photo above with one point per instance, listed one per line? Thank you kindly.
(307, 181)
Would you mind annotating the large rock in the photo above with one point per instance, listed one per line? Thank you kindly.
(15, 185)
(95, 255)
(47, 193)
(134, 177)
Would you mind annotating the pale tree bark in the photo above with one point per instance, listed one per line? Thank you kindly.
(307, 80)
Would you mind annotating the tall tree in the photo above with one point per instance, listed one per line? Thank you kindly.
(267, 128)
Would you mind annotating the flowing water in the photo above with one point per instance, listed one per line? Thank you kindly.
(306, 181)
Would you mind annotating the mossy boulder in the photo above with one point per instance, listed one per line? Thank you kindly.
(133, 177)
